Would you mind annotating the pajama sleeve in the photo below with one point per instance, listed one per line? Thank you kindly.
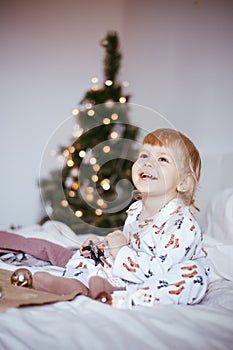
(179, 243)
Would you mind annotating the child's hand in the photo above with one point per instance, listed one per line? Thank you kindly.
(94, 239)
(115, 241)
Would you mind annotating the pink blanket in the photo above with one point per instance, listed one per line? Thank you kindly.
(39, 248)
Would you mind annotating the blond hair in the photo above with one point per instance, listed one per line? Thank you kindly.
(187, 153)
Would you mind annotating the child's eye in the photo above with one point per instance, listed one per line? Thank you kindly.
(143, 155)
(163, 160)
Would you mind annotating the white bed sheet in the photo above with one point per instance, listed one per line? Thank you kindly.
(87, 324)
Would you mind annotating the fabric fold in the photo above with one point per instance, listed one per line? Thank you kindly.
(39, 248)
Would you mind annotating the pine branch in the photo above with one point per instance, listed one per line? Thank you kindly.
(113, 56)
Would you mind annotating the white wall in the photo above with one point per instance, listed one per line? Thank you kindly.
(49, 53)
(177, 55)
(179, 61)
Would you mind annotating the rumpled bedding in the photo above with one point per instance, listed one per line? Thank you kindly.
(39, 248)
(83, 323)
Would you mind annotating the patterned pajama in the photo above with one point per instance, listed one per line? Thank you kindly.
(165, 257)
(164, 261)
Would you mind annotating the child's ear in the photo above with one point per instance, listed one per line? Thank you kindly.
(186, 184)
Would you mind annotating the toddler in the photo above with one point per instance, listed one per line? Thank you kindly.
(158, 258)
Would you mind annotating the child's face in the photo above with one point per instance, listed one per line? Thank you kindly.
(155, 172)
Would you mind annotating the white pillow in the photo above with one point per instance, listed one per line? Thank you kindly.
(218, 222)
(218, 235)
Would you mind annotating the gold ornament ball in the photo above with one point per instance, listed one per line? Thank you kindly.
(22, 278)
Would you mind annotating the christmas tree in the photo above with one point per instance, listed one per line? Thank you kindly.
(96, 175)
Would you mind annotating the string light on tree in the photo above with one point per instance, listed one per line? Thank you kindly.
(122, 99)
(91, 113)
(96, 167)
(77, 131)
(75, 112)
(79, 213)
(114, 116)
(109, 104)
(82, 154)
(64, 203)
(114, 135)
(98, 212)
(105, 184)
(106, 149)
(94, 178)
(106, 121)
(70, 162)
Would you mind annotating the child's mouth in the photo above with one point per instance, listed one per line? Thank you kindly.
(144, 175)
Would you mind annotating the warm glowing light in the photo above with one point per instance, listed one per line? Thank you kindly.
(66, 152)
(94, 80)
(98, 212)
(89, 197)
(75, 186)
(114, 135)
(64, 203)
(114, 116)
(122, 99)
(89, 189)
(93, 161)
(88, 105)
(94, 178)
(75, 112)
(100, 202)
(79, 213)
(109, 103)
(91, 113)
(77, 131)
(96, 167)
(106, 149)
(106, 121)
(108, 82)
(70, 163)
(82, 154)
(105, 184)
(71, 194)
(71, 149)
(125, 83)
(95, 88)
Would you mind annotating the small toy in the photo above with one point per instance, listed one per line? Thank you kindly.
(96, 254)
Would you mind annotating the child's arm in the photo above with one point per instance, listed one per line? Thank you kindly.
(115, 241)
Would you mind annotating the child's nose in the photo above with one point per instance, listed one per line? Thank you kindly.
(148, 162)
